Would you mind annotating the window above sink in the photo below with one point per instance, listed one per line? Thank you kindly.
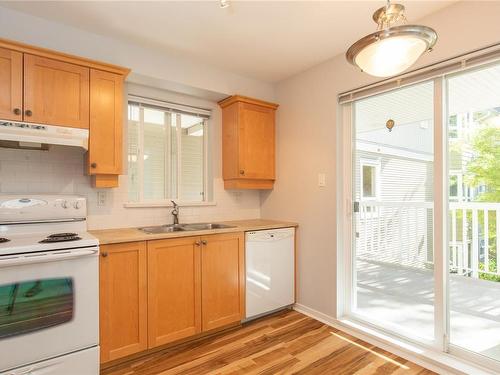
(167, 153)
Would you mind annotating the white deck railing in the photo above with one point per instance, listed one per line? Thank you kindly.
(472, 224)
(401, 233)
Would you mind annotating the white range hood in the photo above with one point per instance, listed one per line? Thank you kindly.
(28, 135)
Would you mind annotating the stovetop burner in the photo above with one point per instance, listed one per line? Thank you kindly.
(3, 240)
(61, 237)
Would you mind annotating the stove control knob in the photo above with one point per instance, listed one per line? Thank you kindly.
(77, 205)
(64, 204)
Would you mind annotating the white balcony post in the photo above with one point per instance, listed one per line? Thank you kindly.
(475, 239)
(486, 242)
(497, 228)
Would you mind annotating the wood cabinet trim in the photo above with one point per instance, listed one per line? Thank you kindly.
(245, 99)
(64, 57)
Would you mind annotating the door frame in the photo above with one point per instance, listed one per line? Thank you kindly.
(346, 221)
(346, 296)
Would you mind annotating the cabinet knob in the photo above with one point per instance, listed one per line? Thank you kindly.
(242, 171)
(104, 254)
(28, 112)
(197, 243)
(203, 242)
(93, 165)
(17, 111)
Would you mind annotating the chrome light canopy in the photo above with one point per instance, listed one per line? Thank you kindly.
(394, 47)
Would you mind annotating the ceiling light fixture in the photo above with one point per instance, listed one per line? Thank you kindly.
(394, 47)
(224, 4)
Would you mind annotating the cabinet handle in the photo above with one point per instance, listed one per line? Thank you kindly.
(242, 171)
(104, 254)
(197, 243)
(93, 165)
(28, 113)
(17, 111)
(203, 242)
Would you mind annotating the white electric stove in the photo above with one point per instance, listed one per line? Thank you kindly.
(49, 293)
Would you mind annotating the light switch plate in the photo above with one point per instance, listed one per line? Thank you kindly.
(101, 198)
(321, 180)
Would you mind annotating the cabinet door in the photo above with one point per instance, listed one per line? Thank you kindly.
(223, 280)
(123, 300)
(174, 289)
(106, 117)
(55, 92)
(256, 142)
(11, 85)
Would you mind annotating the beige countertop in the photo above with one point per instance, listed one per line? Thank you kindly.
(109, 236)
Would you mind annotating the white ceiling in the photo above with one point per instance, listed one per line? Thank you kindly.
(266, 40)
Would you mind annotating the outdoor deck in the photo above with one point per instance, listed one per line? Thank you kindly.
(405, 296)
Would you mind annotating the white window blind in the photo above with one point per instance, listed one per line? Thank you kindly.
(167, 151)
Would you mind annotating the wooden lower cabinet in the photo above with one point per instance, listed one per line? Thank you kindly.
(174, 290)
(123, 299)
(157, 292)
(223, 280)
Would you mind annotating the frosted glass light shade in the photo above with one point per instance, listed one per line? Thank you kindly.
(390, 56)
(391, 51)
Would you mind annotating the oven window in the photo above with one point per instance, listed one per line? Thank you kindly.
(30, 306)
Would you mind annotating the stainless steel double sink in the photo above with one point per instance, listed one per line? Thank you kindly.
(183, 227)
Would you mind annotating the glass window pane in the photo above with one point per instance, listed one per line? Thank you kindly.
(154, 154)
(171, 163)
(368, 181)
(474, 220)
(133, 153)
(192, 158)
(34, 305)
(393, 233)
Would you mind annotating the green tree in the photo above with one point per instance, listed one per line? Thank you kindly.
(484, 168)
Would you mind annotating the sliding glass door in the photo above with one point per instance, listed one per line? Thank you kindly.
(393, 190)
(474, 204)
(424, 244)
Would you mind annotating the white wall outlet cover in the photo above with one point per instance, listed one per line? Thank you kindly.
(321, 179)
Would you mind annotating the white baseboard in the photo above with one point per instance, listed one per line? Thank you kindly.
(441, 363)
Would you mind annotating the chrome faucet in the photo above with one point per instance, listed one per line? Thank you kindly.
(175, 213)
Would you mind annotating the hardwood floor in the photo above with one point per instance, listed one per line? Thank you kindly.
(286, 343)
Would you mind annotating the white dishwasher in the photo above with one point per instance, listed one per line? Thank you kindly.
(270, 270)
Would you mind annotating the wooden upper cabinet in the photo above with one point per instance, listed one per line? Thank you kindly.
(174, 289)
(248, 145)
(106, 122)
(55, 92)
(123, 300)
(223, 280)
(11, 85)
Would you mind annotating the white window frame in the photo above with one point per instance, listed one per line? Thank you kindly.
(370, 163)
(170, 110)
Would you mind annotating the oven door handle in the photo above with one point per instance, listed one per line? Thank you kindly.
(53, 256)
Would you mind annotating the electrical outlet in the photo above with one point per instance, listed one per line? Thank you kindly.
(321, 180)
(101, 198)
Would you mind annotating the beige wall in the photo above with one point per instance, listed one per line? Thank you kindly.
(306, 144)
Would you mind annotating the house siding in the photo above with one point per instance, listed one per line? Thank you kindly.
(399, 232)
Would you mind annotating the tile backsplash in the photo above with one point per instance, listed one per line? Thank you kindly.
(60, 170)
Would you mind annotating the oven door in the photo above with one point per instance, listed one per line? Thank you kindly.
(48, 305)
